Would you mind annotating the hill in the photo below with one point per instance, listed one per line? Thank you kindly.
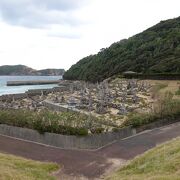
(155, 50)
(16, 70)
(162, 162)
(52, 72)
(24, 70)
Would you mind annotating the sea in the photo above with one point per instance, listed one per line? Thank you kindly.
(4, 89)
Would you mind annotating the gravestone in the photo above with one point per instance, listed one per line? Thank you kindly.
(122, 109)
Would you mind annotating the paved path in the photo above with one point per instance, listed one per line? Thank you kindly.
(91, 164)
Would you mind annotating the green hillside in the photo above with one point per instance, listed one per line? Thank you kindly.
(156, 50)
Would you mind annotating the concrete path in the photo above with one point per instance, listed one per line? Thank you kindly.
(81, 164)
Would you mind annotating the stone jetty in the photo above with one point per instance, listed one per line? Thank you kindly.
(21, 83)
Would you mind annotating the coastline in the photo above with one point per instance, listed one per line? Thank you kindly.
(16, 89)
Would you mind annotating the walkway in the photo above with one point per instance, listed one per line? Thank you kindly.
(91, 164)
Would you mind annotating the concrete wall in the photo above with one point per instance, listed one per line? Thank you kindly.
(157, 124)
(76, 142)
(54, 107)
(67, 142)
(57, 107)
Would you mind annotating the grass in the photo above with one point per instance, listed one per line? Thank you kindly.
(16, 168)
(160, 163)
(178, 92)
(67, 123)
(161, 86)
(165, 108)
(157, 87)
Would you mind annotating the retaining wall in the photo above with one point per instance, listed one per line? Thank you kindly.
(66, 142)
(77, 142)
(57, 107)
(157, 124)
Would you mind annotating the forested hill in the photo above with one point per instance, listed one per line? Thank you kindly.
(20, 70)
(156, 50)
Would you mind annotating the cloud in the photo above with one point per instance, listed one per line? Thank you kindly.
(40, 13)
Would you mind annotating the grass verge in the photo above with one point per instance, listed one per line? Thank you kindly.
(12, 167)
(160, 163)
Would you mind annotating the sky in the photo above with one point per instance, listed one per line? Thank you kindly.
(58, 33)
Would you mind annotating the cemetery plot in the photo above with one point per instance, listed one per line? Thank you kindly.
(106, 105)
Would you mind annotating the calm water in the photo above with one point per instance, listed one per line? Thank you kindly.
(21, 89)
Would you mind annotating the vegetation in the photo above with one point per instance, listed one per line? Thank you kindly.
(156, 50)
(162, 162)
(156, 88)
(165, 108)
(178, 91)
(12, 167)
(24, 70)
(67, 123)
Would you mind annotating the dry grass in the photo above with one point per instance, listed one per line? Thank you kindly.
(163, 86)
(16, 168)
(160, 163)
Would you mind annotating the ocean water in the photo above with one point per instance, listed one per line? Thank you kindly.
(21, 89)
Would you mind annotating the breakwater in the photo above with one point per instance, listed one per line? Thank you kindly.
(22, 83)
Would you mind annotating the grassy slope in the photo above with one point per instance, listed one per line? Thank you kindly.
(12, 167)
(160, 163)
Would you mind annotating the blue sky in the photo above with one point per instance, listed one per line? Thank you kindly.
(58, 33)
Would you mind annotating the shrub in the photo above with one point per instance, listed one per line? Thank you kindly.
(166, 107)
(61, 123)
(136, 119)
(97, 130)
(82, 132)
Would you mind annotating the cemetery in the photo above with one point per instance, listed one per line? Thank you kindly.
(104, 106)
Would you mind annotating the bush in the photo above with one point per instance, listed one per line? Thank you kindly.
(97, 130)
(82, 132)
(46, 121)
(136, 119)
(166, 107)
